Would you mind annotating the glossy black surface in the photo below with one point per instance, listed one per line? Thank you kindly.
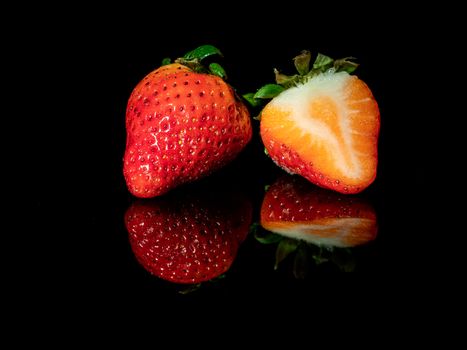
(83, 200)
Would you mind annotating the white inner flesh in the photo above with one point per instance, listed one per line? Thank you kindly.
(314, 233)
(298, 100)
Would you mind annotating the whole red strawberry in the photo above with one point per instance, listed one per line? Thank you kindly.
(188, 239)
(182, 124)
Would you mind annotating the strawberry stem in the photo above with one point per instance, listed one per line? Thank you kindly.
(321, 65)
(216, 69)
(284, 249)
(269, 91)
(250, 98)
(202, 52)
(193, 60)
(285, 80)
(322, 62)
(190, 289)
(302, 62)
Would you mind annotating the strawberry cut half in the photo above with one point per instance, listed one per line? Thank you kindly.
(314, 224)
(324, 127)
(294, 208)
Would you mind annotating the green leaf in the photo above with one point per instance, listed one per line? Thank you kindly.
(285, 80)
(320, 257)
(266, 151)
(322, 62)
(218, 278)
(166, 61)
(269, 91)
(302, 62)
(266, 187)
(254, 228)
(190, 289)
(216, 69)
(345, 65)
(300, 266)
(285, 247)
(250, 98)
(266, 237)
(202, 52)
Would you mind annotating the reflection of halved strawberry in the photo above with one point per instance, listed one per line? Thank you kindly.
(324, 127)
(294, 208)
(188, 239)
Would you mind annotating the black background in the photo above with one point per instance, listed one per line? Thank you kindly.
(78, 195)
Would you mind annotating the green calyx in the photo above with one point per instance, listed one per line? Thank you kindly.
(192, 288)
(194, 58)
(303, 255)
(305, 71)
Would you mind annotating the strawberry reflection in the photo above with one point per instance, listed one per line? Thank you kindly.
(314, 223)
(188, 238)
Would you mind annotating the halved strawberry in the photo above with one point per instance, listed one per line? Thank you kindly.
(324, 126)
(295, 208)
(316, 224)
(188, 237)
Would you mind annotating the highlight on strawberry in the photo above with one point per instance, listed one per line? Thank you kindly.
(322, 123)
(183, 122)
(317, 224)
(189, 237)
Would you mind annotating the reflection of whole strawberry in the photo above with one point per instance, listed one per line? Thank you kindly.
(188, 239)
(182, 124)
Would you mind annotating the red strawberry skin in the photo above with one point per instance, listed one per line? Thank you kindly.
(189, 239)
(325, 130)
(181, 126)
(294, 206)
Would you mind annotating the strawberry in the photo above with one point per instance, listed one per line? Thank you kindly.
(182, 124)
(322, 124)
(315, 224)
(294, 208)
(188, 239)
